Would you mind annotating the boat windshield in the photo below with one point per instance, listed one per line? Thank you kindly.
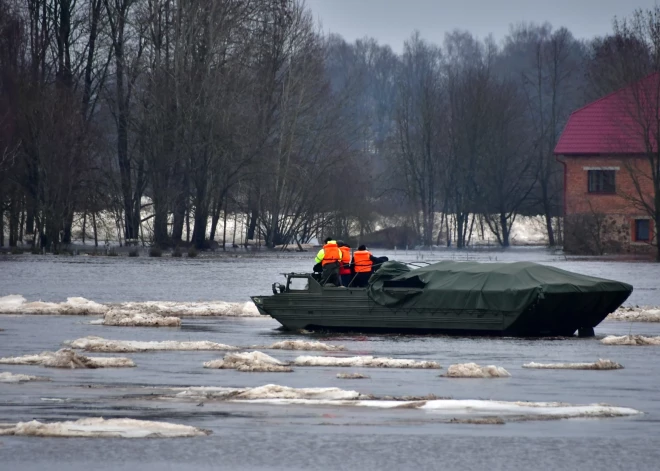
(298, 284)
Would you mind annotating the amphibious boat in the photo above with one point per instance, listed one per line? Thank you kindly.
(463, 298)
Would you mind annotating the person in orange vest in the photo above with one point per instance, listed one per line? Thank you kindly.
(329, 257)
(345, 271)
(363, 263)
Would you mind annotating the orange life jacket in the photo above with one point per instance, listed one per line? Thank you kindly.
(362, 261)
(330, 253)
(345, 261)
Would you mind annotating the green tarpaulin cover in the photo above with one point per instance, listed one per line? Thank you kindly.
(509, 287)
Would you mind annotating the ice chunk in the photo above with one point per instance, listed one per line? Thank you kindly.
(630, 340)
(352, 376)
(512, 411)
(636, 314)
(365, 361)
(100, 427)
(136, 319)
(67, 358)
(275, 391)
(193, 309)
(304, 345)
(7, 377)
(99, 344)
(599, 365)
(249, 361)
(268, 391)
(472, 370)
(16, 304)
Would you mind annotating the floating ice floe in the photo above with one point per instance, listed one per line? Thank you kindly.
(304, 345)
(249, 361)
(99, 344)
(630, 340)
(67, 358)
(7, 377)
(636, 314)
(268, 391)
(352, 376)
(102, 428)
(474, 411)
(122, 318)
(17, 304)
(511, 411)
(599, 365)
(193, 309)
(472, 370)
(365, 361)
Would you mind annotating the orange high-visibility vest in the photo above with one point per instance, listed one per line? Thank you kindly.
(345, 260)
(330, 253)
(362, 261)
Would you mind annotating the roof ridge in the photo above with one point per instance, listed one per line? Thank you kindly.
(619, 90)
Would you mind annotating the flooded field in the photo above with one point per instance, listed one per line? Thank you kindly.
(410, 417)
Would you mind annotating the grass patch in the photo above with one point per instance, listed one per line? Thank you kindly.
(134, 252)
(155, 252)
(112, 253)
(177, 252)
(16, 251)
(192, 252)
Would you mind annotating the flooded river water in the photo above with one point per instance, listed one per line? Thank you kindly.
(269, 436)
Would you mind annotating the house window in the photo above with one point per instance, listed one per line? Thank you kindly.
(642, 230)
(601, 181)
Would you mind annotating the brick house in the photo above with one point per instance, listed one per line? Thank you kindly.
(604, 151)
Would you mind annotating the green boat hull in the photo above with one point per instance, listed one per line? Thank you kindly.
(351, 309)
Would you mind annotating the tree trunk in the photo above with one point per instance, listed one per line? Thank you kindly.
(160, 225)
(505, 229)
(252, 227)
(201, 216)
(96, 240)
(84, 224)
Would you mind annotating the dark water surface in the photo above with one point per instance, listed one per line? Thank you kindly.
(266, 436)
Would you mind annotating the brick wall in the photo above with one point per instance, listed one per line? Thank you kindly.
(604, 222)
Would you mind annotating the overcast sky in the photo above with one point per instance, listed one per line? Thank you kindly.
(392, 21)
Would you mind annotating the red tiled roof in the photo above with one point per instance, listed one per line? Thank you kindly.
(615, 123)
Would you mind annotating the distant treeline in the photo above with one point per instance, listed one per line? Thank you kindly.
(216, 107)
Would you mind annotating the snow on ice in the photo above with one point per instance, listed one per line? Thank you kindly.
(99, 344)
(472, 370)
(635, 340)
(365, 361)
(103, 428)
(268, 391)
(17, 304)
(599, 365)
(67, 358)
(7, 377)
(249, 361)
(303, 345)
(636, 314)
(121, 318)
